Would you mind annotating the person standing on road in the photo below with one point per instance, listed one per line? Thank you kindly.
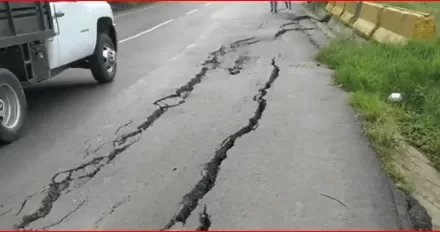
(274, 6)
(288, 5)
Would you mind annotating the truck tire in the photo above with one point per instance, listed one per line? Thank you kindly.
(13, 107)
(103, 62)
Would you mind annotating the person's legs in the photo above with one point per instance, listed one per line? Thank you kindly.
(275, 6)
(271, 6)
(289, 5)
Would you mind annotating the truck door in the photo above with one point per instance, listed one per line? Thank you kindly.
(74, 30)
(53, 47)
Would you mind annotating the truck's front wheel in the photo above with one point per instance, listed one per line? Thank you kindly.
(103, 62)
(13, 107)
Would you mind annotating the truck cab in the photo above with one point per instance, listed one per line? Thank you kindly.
(39, 40)
(77, 26)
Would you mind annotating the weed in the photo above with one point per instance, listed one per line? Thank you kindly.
(371, 72)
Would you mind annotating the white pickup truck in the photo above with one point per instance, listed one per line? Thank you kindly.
(39, 40)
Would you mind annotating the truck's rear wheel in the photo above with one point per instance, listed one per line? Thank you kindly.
(103, 62)
(13, 107)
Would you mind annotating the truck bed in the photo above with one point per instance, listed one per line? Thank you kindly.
(23, 22)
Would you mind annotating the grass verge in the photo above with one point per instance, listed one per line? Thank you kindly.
(371, 72)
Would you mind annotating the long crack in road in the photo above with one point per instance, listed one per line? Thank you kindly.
(65, 181)
(62, 181)
(191, 200)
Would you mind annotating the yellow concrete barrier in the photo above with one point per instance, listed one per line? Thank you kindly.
(397, 25)
(383, 23)
(349, 12)
(329, 6)
(338, 9)
(369, 19)
(419, 26)
(389, 26)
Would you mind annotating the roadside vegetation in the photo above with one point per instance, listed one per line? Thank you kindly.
(371, 72)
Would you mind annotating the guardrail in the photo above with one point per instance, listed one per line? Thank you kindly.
(382, 23)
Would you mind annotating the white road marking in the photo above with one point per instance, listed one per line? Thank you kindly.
(153, 28)
(138, 10)
(190, 12)
(145, 32)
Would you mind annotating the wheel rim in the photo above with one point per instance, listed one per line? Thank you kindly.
(109, 56)
(10, 110)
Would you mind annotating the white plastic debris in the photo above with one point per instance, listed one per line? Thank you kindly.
(395, 97)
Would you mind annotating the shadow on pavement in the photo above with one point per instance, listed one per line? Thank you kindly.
(56, 97)
(45, 96)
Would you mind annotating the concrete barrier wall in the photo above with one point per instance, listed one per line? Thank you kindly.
(338, 9)
(419, 26)
(383, 23)
(369, 19)
(329, 6)
(349, 14)
(390, 26)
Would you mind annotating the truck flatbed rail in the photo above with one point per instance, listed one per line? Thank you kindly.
(23, 22)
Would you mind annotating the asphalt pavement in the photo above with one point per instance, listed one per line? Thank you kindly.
(218, 119)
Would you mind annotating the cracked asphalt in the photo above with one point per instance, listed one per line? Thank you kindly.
(219, 119)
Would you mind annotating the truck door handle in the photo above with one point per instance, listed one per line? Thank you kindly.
(59, 14)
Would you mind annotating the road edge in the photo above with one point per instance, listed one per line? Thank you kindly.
(401, 200)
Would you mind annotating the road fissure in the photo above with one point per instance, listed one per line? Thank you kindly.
(62, 181)
(212, 168)
(204, 220)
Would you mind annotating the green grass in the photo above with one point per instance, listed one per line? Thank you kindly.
(427, 7)
(372, 71)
